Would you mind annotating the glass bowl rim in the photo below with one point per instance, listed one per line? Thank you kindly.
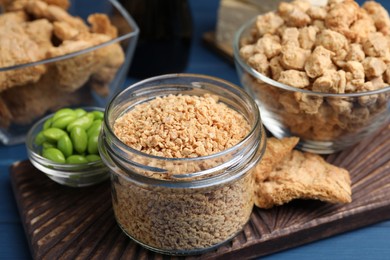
(59, 166)
(130, 21)
(239, 61)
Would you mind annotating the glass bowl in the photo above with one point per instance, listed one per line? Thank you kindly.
(65, 81)
(324, 122)
(73, 175)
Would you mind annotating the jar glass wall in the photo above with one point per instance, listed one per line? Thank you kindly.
(182, 205)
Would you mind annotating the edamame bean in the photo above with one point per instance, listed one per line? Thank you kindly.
(76, 159)
(80, 112)
(47, 123)
(47, 144)
(95, 127)
(63, 121)
(63, 112)
(53, 154)
(93, 157)
(53, 134)
(85, 122)
(39, 138)
(79, 139)
(65, 145)
(93, 144)
(98, 114)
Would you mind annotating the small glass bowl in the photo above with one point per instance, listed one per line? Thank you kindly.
(324, 122)
(73, 175)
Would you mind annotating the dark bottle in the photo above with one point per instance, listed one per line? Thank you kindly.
(165, 36)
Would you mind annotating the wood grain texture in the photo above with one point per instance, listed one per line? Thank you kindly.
(78, 223)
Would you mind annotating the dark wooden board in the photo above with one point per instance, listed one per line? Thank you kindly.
(71, 223)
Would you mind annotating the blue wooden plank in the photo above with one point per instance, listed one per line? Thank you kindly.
(13, 244)
(8, 210)
(366, 243)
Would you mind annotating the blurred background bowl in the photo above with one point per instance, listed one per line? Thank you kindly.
(324, 122)
(73, 175)
(65, 81)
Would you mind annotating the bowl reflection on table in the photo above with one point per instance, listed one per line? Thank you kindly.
(324, 122)
(84, 71)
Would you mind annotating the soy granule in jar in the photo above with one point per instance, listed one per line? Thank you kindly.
(181, 126)
(175, 219)
(182, 221)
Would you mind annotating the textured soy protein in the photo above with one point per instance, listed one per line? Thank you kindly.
(181, 126)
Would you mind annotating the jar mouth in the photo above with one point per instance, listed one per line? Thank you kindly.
(191, 84)
(241, 92)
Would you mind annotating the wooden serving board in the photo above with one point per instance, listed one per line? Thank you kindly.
(77, 223)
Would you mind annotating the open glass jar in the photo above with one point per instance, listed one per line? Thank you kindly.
(182, 206)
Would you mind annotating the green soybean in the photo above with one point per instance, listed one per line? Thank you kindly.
(98, 114)
(47, 144)
(93, 157)
(79, 112)
(65, 145)
(79, 139)
(47, 123)
(63, 112)
(95, 127)
(53, 134)
(39, 138)
(76, 159)
(53, 154)
(85, 122)
(63, 121)
(93, 144)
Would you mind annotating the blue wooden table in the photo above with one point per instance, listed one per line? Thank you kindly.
(372, 242)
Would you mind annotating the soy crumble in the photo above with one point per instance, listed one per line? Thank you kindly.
(181, 126)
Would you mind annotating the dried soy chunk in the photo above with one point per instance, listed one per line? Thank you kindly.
(339, 48)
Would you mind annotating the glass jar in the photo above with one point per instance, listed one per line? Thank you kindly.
(182, 206)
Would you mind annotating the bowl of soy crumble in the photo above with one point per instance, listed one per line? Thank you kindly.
(181, 149)
(320, 73)
(57, 54)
